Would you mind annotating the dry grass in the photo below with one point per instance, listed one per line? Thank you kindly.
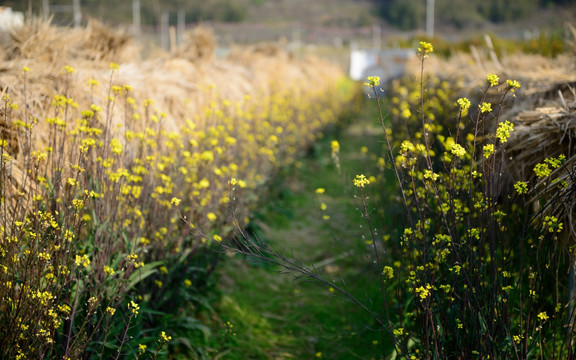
(180, 84)
(198, 45)
(102, 43)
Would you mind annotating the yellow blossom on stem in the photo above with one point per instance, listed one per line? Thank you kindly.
(513, 84)
(425, 49)
(488, 150)
(485, 107)
(133, 307)
(542, 170)
(464, 105)
(458, 150)
(360, 181)
(492, 79)
(388, 272)
(503, 130)
(165, 337)
(521, 187)
(108, 270)
(373, 81)
(543, 316)
(335, 146)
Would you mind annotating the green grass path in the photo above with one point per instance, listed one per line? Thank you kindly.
(275, 315)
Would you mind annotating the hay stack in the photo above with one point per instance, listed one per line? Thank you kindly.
(547, 130)
(37, 40)
(102, 43)
(197, 45)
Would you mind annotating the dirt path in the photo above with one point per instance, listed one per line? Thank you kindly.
(274, 314)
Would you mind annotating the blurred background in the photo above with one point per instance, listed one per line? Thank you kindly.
(316, 22)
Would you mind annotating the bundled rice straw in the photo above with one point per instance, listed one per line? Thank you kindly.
(182, 86)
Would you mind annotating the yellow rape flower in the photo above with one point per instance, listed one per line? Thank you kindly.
(165, 337)
(503, 130)
(373, 81)
(464, 105)
(488, 150)
(458, 150)
(133, 307)
(360, 181)
(543, 316)
(108, 270)
(425, 49)
(521, 187)
(388, 272)
(485, 107)
(492, 79)
(513, 84)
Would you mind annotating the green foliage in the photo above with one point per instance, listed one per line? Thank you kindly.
(410, 14)
(472, 273)
(275, 315)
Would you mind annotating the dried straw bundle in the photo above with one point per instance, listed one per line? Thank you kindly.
(102, 43)
(547, 130)
(197, 45)
(535, 72)
(37, 40)
(182, 88)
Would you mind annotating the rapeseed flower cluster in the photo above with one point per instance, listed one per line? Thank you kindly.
(361, 181)
(461, 265)
(113, 202)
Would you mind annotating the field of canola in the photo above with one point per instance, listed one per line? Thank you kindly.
(119, 176)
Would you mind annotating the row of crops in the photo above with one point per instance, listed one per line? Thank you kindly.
(119, 179)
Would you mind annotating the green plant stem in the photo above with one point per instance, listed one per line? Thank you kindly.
(379, 267)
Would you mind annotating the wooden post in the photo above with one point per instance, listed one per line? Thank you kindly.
(430, 18)
(164, 36)
(173, 44)
(181, 26)
(136, 26)
(77, 13)
(45, 10)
